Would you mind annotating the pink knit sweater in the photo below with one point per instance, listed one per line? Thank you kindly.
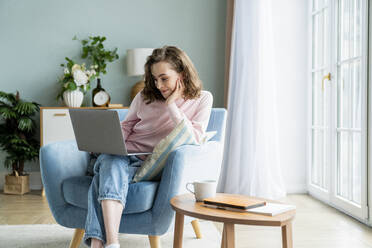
(146, 124)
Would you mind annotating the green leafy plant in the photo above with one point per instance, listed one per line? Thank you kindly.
(75, 76)
(17, 131)
(95, 52)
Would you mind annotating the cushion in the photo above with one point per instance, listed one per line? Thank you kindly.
(154, 163)
(140, 195)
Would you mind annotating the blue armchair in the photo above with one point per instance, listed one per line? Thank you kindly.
(148, 211)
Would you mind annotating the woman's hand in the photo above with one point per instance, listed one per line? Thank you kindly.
(176, 94)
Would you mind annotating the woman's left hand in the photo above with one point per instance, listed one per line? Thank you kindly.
(176, 94)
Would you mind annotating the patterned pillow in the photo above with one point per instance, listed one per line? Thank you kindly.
(154, 164)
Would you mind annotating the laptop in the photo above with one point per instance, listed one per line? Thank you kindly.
(99, 131)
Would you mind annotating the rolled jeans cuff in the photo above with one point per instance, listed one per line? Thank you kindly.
(112, 197)
(88, 238)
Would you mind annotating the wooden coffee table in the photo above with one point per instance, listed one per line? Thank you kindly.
(186, 205)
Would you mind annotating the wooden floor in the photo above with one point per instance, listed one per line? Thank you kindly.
(316, 224)
(30, 208)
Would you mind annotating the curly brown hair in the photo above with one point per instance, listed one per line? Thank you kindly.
(179, 62)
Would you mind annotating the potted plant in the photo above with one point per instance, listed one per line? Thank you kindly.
(75, 82)
(93, 49)
(17, 131)
(95, 52)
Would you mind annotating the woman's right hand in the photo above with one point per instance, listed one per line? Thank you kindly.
(177, 93)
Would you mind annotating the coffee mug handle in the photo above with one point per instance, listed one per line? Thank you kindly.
(187, 184)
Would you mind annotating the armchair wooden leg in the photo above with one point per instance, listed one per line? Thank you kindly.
(76, 239)
(196, 227)
(154, 241)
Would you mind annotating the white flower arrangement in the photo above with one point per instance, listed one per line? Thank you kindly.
(76, 77)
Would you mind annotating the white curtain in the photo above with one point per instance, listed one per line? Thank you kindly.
(251, 164)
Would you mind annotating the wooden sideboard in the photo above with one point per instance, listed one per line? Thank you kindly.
(55, 124)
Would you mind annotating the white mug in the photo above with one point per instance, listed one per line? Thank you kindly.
(203, 189)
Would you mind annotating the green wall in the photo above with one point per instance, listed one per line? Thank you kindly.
(36, 36)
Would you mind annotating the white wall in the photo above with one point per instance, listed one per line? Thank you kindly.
(290, 18)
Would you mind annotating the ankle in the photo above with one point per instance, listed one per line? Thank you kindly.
(96, 243)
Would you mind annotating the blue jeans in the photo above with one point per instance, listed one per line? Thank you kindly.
(112, 175)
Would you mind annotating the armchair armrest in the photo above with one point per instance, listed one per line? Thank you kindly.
(201, 164)
(187, 163)
(59, 161)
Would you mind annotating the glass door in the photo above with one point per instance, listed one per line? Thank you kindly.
(338, 168)
(350, 169)
(319, 180)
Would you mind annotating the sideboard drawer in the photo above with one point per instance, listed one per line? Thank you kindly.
(56, 126)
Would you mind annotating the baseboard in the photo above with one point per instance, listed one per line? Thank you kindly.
(35, 180)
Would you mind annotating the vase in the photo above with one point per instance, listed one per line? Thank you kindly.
(73, 98)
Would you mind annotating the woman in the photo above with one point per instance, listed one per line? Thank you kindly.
(172, 93)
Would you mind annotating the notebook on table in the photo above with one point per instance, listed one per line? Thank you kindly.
(234, 202)
(245, 204)
(271, 209)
